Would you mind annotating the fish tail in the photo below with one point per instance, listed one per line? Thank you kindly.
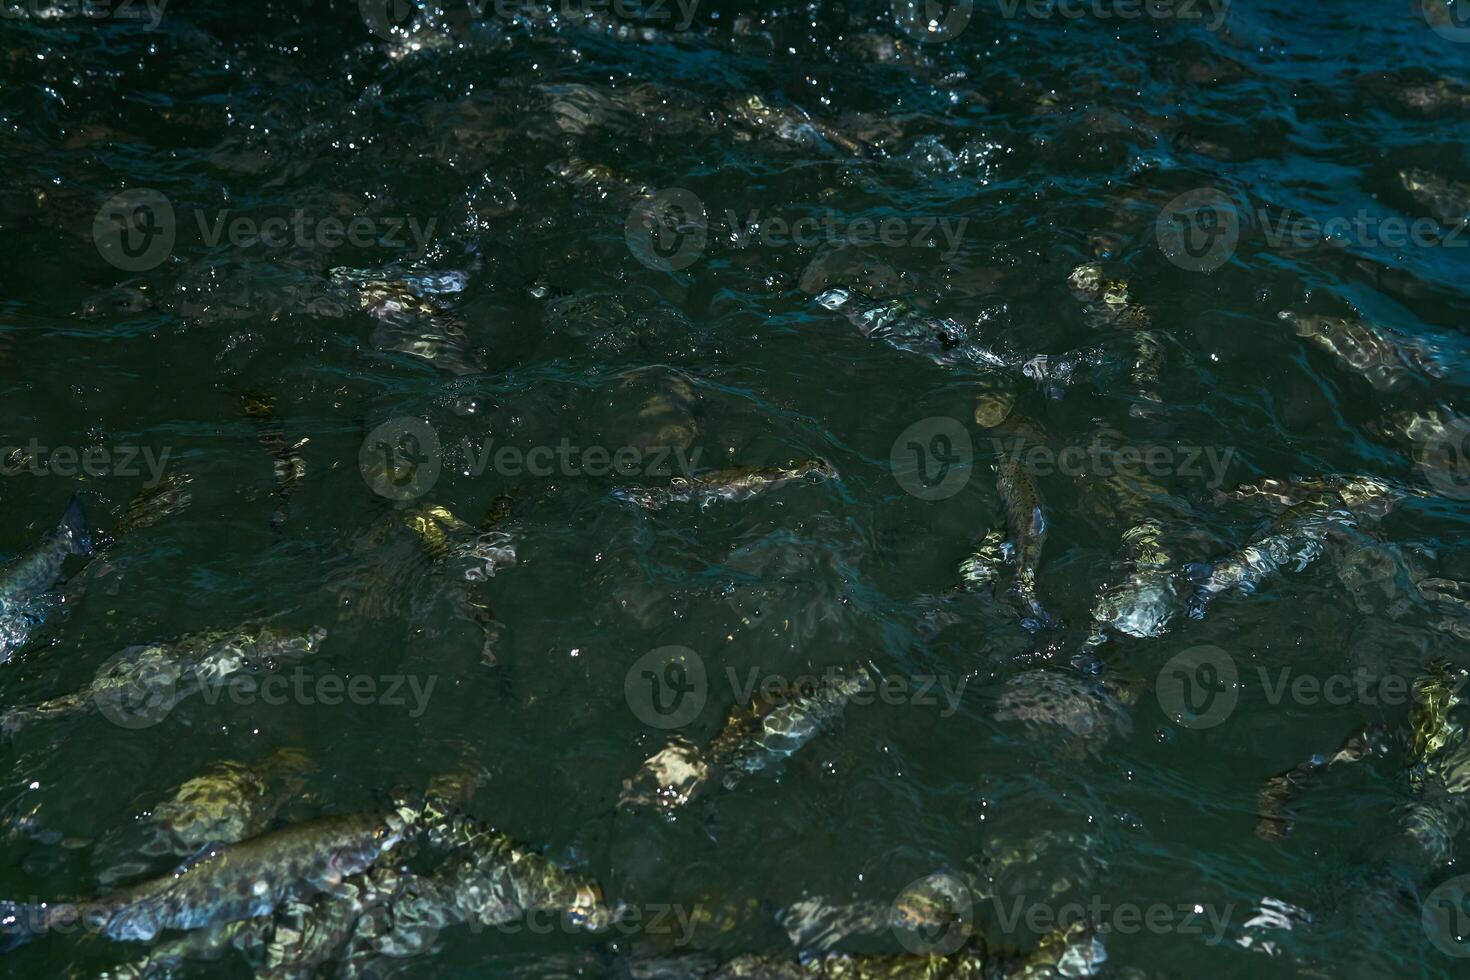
(79, 541)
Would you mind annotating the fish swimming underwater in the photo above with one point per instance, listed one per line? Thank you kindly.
(228, 803)
(732, 485)
(1297, 538)
(290, 466)
(1019, 544)
(756, 737)
(27, 579)
(220, 884)
(145, 680)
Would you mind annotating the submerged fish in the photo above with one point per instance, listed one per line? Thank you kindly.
(1296, 539)
(734, 485)
(222, 883)
(146, 680)
(410, 558)
(226, 804)
(1147, 596)
(946, 342)
(1020, 543)
(1448, 201)
(1388, 363)
(412, 321)
(900, 324)
(793, 125)
(1087, 708)
(290, 467)
(757, 736)
(27, 579)
(1110, 304)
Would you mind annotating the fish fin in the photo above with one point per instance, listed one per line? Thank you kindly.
(137, 923)
(75, 522)
(207, 851)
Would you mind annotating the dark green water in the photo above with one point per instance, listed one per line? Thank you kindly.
(1001, 158)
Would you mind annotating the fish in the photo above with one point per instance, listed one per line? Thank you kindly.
(1019, 544)
(1110, 304)
(145, 681)
(26, 579)
(411, 319)
(227, 803)
(1447, 200)
(794, 125)
(947, 342)
(903, 326)
(290, 466)
(423, 546)
(733, 485)
(1386, 362)
(757, 736)
(1296, 539)
(221, 883)
(1146, 598)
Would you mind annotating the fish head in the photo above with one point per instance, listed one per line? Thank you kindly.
(272, 644)
(587, 909)
(835, 298)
